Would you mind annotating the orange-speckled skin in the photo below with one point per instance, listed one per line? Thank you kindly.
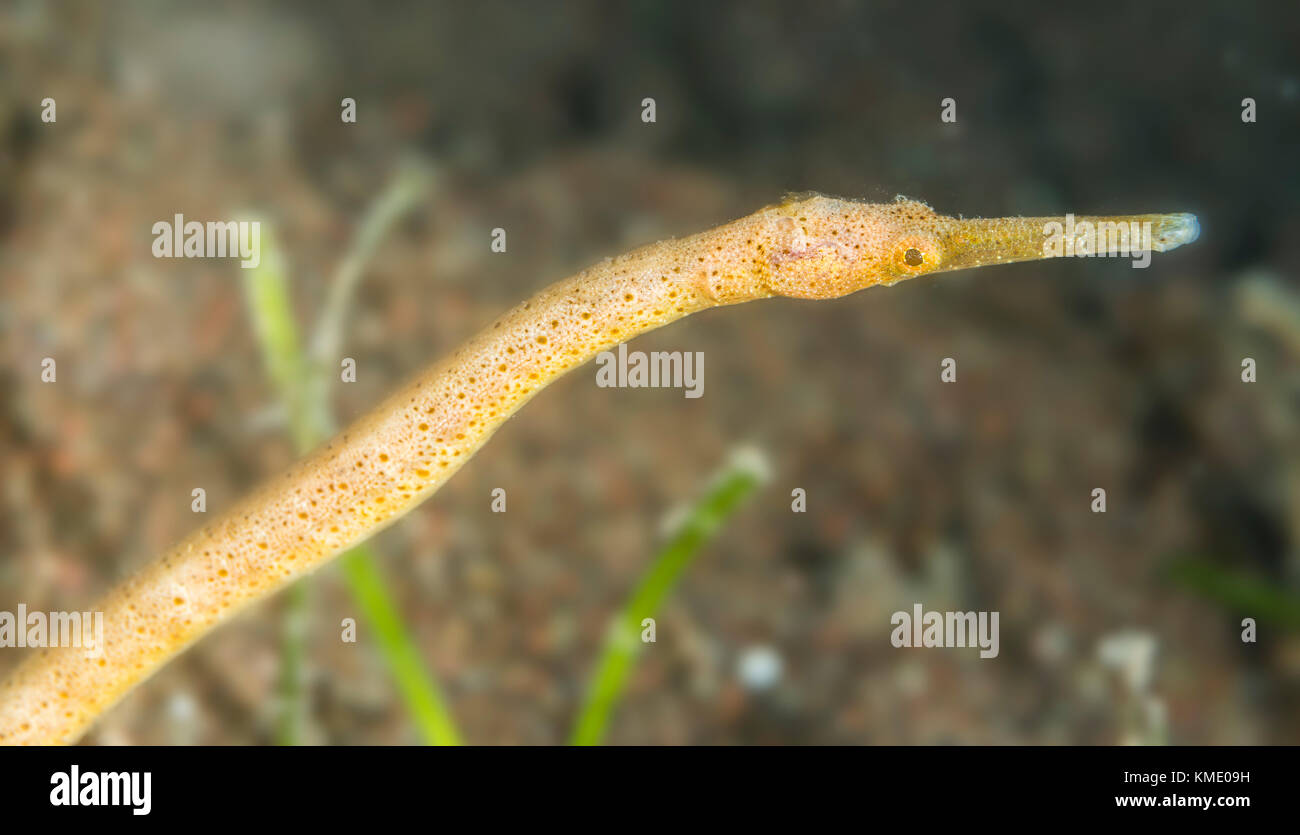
(405, 449)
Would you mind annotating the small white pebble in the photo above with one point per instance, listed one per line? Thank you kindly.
(1132, 653)
(759, 668)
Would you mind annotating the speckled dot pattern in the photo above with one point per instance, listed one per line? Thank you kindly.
(393, 458)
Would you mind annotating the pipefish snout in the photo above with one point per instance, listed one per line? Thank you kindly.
(391, 459)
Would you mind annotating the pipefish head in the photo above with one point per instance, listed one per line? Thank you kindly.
(828, 247)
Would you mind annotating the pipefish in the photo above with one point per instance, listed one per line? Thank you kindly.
(397, 455)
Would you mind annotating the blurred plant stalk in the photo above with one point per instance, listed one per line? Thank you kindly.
(744, 472)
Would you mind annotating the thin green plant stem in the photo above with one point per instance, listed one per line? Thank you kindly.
(266, 290)
(410, 185)
(271, 310)
(742, 474)
(291, 723)
(418, 688)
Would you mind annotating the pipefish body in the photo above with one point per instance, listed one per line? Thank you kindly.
(391, 459)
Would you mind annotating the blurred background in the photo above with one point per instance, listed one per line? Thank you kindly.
(1119, 627)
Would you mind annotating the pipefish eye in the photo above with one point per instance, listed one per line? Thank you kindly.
(914, 254)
